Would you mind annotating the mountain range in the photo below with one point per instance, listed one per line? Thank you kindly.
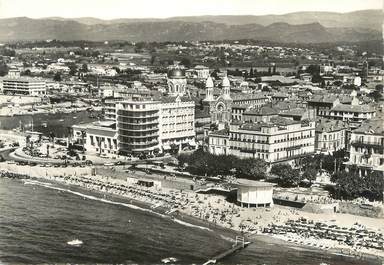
(300, 27)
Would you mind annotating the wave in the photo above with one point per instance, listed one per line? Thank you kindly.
(191, 225)
(49, 185)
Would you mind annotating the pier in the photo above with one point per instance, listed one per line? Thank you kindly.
(237, 246)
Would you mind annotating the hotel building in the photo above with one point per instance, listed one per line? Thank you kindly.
(367, 146)
(275, 140)
(150, 126)
(330, 135)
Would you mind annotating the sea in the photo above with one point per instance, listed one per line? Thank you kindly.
(58, 124)
(38, 219)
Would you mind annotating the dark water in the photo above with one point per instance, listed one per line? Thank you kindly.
(36, 222)
(57, 123)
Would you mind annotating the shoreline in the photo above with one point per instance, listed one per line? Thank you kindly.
(134, 204)
(182, 217)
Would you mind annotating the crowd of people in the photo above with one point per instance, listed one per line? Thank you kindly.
(326, 235)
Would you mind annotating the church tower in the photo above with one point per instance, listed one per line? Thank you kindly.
(209, 90)
(226, 88)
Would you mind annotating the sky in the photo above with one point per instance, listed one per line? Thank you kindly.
(110, 9)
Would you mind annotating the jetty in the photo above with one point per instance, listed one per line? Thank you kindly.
(237, 246)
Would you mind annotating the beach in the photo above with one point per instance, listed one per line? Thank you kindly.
(206, 210)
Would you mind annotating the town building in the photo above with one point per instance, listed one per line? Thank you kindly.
(351, 113)
(24, 86)
(97, 137)
(330, 136)
(202, 71)
(270, 137)
(367, 147)
(152, 126)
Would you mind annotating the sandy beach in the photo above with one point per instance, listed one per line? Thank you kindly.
(212, 211)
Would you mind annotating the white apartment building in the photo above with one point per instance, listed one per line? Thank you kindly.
(24, 86)
(97, 138)
(153, 126)
(367, 146)
(276, 140)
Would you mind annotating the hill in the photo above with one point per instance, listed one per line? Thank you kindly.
(23, 28)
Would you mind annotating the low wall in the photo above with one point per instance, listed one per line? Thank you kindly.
(320, 208)
(296, 204)
(362, 209)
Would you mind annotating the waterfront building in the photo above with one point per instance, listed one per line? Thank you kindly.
(330, 135)
(155, 125)
(367, 146)
(272, 138)
(24, 86)
(252, 193)
(97, 137)
(151, 126)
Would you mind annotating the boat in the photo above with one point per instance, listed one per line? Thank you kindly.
(75, 242)
(168, 260)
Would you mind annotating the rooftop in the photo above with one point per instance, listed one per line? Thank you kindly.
(353, 108)
(253, 183)
(327, 125)
(374, 126)
(242, 96)
(274, 122)
(263, 111)
(278, 78)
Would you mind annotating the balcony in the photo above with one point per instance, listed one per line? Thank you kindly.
(143, 122)
(137, 128)
(367, 144)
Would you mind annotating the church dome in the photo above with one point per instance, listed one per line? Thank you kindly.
(209, 82)
(226, 82)
(176, 73)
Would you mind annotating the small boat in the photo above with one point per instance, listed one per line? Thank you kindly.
(168, 260)
(75, 242)
(61, 120)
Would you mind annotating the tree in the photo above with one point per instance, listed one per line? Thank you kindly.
(310, 174)
(153, 59)
(84, 68)
(375, 95)
(27, 72)
(72, 69)
(57, 77)
(3, 69)
(251, 168)
(348, 186)
(287, 176)
(186, 62)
